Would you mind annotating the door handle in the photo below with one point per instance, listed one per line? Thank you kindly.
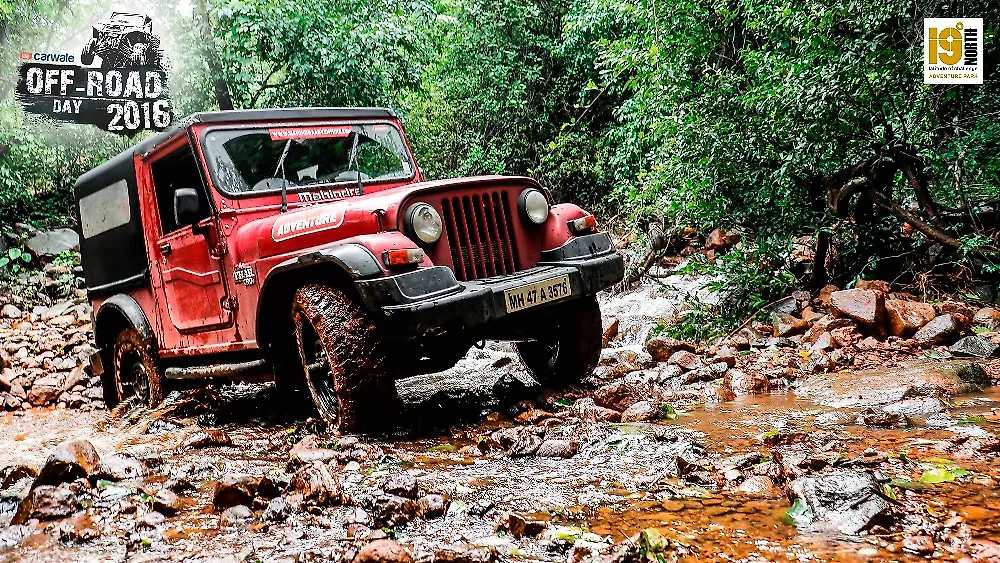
(165, 249)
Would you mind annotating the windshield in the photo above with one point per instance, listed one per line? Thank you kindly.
(265, 159)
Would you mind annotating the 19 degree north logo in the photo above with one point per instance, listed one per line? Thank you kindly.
(953, 51)
(116, 83)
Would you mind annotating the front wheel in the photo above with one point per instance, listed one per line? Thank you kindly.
(345, 362)
(136, 372)
(569, 347)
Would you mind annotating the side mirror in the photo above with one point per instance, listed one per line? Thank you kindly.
(186, 206)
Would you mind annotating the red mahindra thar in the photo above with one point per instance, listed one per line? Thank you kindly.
(305, 244)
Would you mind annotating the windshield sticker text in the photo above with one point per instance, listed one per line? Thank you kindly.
(284, 133)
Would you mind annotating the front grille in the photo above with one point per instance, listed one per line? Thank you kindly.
(480, 235)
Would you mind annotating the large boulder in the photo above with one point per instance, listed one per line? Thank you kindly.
(787, 325)
(941, 330)
(850, 500)
(53, 243)
(904, 318)
(719, 239)
(69, 461)
(739, 383)
(864, 306)
(662, 347)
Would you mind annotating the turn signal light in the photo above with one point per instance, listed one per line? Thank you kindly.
(403, 257)
(584, 224)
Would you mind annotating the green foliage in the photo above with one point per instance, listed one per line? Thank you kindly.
(746, 279)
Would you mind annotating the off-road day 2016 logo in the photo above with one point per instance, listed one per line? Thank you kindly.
(953, 51)
(116, 82)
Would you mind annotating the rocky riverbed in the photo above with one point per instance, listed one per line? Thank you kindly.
(845, 430)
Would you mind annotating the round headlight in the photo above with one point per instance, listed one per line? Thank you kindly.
(424, 223)
(533, 206)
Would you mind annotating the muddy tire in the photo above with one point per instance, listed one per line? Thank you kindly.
(569, 348)
(136, 372)
(345, 362)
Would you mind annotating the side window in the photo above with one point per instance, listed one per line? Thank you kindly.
(178, 170)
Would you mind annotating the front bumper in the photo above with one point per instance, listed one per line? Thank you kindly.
(430, 301)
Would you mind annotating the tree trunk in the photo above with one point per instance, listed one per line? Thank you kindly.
(212, 57)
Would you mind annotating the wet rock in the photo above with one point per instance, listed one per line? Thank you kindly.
(277, 510)
(42, 393)
(609, 330)
(310, 449)
(13, 474)
(787, 325)
(179, 485)
(118, 467)
(392, 511)
(383, 551)
(710, 372)
(850, 500)
(882, 419)
(78, 529)
(558, 448)
(662, 347)
(53, 243)
(167, 502)
(983, 551)
(11, 312)
(232, 490)
(519, 526)
(640, 412)
(316, 485)
(687, 361)
(756, 485)
(68, 461)
(46, 502)
(432, 505)
(402, 484)
(921, 406)
(587, 411)
(987, 317)
(845, 336)
(208, 438)
(620, 394)
(864, 306)
(235, 515)
(962, 312)
(939, 331)
(468, 555)
(739, 383)
(920, 544)
(725, 355)
(904, 318)
(974, 347)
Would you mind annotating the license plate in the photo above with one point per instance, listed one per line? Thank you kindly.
(537, 293)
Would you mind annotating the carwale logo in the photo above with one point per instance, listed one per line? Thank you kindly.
(953, 51)
(66, 58)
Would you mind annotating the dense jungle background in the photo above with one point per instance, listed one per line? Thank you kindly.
(803, 127)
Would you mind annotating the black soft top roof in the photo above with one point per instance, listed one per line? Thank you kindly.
(110, 170)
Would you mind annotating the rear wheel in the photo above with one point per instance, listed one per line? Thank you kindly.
(136, 372)
(346, 366)
(568, 348)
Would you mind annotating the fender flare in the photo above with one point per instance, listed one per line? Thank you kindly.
(354, 260)
(127, 307)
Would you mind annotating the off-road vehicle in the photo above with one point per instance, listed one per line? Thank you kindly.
(123, 40)
(305, 244)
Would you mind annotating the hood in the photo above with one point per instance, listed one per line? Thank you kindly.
(325, 223)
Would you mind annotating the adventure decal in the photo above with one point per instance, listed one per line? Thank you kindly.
(119, 84)
(305, 223)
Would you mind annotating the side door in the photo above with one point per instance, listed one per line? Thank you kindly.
(187, 247)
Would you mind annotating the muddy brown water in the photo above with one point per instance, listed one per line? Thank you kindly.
(616, 486)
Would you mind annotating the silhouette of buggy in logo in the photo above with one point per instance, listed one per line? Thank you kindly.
(123, 40)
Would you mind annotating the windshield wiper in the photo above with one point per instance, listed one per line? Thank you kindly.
(357, 163)
(284, 182)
